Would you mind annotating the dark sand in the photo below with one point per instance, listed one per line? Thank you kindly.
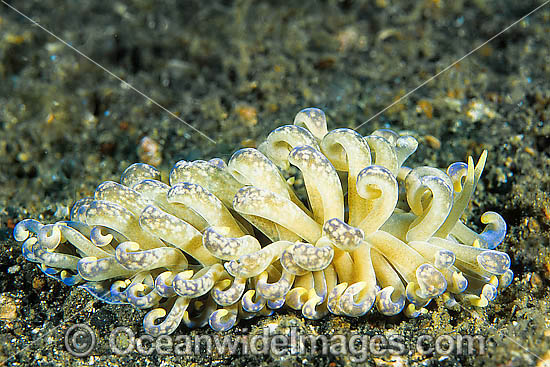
(236, 70)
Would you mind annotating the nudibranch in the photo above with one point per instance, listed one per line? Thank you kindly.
(352, 229)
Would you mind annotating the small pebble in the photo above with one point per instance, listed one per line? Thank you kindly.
(149, 151)
(247, 114)
(535, 280)
(38, 283)
(533, 225)
(8, 309)
(425, 107)
(14, 269)
(530, 151)
(432, 142)
(350, 38)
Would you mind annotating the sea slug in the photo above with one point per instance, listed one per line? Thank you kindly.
(216, 242)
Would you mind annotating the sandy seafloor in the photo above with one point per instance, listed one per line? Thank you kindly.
(235, 70)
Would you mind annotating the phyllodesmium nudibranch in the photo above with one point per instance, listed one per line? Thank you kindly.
(227, 241)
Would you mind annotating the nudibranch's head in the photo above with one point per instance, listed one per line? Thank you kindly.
(223, 242)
